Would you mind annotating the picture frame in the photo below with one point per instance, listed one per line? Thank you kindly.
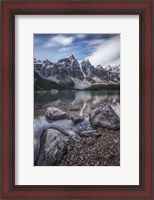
(12, 8)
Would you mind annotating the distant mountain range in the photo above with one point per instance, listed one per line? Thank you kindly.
(68, 73)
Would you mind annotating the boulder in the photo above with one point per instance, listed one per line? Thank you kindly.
(104, 117)
(54, 113)
(53, 146)
(64, 125)
(116, 108)
(77, 119)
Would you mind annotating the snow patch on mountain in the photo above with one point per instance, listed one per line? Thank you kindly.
(82, 71)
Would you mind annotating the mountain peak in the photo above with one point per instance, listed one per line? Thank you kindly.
(87, 60)
(71, 57)
(47, 63)
(99, 67)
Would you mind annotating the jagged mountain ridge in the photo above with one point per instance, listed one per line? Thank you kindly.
(68, 73)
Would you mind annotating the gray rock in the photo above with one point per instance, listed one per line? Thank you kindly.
(116, 107)
(54, 113)
(77, 119)
(53, 146)
(104, 117)
(41, 123)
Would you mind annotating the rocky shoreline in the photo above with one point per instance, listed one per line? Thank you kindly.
(80, 141)
(89, 151)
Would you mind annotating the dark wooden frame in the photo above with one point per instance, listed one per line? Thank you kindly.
(16, 7)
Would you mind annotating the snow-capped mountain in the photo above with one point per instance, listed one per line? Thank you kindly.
(68, 73)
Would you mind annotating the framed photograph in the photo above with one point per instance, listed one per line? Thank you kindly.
(76, 99)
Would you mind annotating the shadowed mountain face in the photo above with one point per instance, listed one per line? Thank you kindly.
(68, 73)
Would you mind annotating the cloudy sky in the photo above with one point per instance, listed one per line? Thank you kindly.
(101, 49)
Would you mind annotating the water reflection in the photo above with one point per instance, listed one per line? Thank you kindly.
(53, 95)
(75, 102)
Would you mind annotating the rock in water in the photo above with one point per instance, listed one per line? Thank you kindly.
(53, 146)
(104, 117)
(77, 119)
(53, 113)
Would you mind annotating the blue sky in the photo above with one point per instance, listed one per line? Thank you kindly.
(101, 49)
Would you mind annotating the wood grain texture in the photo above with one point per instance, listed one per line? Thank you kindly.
(9, 10)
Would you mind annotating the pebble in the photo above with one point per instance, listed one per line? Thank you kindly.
(103, 151)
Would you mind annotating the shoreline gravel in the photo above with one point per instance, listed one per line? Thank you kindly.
(90, 151)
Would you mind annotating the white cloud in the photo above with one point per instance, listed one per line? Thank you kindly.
(59, 40)
(64, 40)
(107, 52)
(63, 49)
(94, 42)
(80, 36)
